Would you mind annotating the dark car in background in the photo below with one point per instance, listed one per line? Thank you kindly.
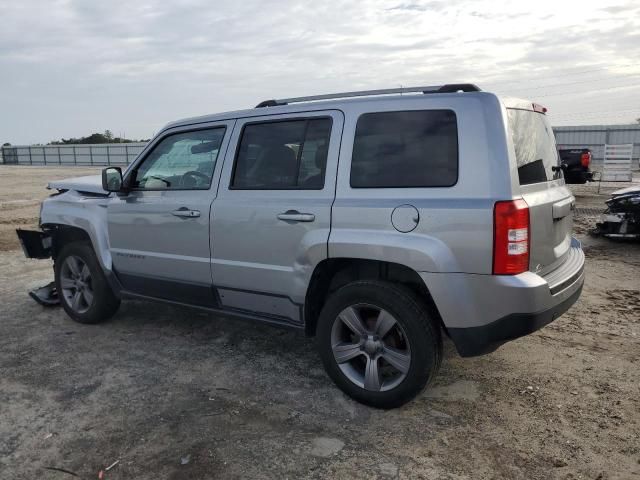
(575, 163)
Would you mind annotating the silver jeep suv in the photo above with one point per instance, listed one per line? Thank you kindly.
(374, 221)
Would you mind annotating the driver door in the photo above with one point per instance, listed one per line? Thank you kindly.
(159, 231)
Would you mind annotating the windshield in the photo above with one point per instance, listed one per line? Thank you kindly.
(535, 146)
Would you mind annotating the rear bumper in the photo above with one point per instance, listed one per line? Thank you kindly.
(578, 176)
(474, 341)
(481, 312)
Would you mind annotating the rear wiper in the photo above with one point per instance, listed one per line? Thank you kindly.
(558, 170)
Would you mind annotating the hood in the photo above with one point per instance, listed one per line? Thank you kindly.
(624, 191)
(89, 184)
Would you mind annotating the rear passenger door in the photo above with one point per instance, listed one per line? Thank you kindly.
(271, 219)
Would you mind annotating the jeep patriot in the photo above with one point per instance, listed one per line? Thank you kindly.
(376, 221)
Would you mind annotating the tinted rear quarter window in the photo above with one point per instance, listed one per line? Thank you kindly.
(405, 149)
(534, 144)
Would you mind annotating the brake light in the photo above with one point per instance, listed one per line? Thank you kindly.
(585, 159)
(510, 237)
(539, 108)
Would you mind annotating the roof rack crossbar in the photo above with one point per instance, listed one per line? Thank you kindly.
(448, 88)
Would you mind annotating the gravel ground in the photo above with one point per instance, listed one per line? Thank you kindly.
(174, 393)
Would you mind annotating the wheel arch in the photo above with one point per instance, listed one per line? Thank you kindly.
(332, 273)
(73, 216)
(62, 234)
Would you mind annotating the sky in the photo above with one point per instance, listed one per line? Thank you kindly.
(72, 67)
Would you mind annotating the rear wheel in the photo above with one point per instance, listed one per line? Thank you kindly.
(378, 343)
(82, 287)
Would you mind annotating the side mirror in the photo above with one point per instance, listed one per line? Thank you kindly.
(112, 179)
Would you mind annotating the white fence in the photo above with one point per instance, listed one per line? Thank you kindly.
(617, 163)
(80, 154)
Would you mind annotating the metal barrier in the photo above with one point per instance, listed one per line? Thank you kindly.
(595, 137)
(78, 154)
(617, 163)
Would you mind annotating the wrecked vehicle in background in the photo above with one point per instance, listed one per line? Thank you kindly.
(621, 219)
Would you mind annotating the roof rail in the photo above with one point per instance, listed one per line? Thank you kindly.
(448, 88)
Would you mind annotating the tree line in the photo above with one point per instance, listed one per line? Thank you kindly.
(105, 137)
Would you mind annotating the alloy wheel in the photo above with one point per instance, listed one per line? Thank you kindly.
(370, 347)
(76, 285)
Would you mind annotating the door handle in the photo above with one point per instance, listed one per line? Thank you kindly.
(184, 212)
(296, 216)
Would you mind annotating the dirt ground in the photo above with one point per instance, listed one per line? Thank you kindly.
(21, 191)
(172, 393)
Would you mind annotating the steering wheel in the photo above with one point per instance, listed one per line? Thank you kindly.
(193, 176)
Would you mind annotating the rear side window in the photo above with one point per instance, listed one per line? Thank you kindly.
(405, 149)
(535, 146)
(281, 155)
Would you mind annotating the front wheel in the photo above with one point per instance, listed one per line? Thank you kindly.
(82, 287)
(378, 343)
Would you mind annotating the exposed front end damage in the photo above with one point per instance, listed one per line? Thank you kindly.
(35, 243)
(76, 211)
(39, 244)
(46, 296)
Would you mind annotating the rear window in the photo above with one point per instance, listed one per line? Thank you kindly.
(405, 149)
(535, 146)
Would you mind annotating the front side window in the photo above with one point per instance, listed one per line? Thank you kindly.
(280, 155)
(405, 149)
(183, 161)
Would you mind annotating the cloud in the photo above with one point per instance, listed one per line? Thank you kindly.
(624, 8)
(133, 66)
(435, 5)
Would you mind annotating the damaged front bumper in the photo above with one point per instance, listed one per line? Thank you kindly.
(38, 244)
(46, 296)
(35, 243)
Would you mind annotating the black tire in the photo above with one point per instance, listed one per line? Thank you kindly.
(104, 303)
(421, 330)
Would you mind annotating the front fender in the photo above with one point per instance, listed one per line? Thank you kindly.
(86, 213)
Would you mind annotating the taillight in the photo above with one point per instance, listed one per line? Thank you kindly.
(510, 237)
(585, 159)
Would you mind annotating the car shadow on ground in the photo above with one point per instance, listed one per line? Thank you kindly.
(262, 361)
